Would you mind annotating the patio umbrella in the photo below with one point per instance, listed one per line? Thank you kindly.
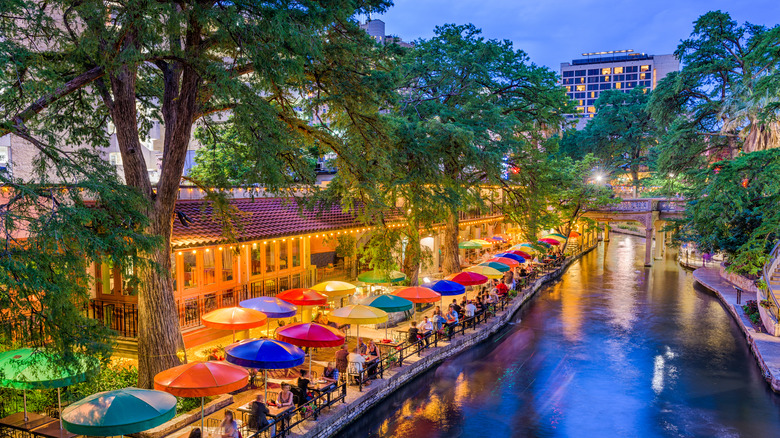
(264, 354)
(467, 278)
(550, 241)
(487, 271)
(234, 318)
(446, 288)
(388, 303)
(500, 267)
(335, 289)
(311, 334)
(272, 307)
(31, 368)
(199, 379)
(506, 260)
(418, 294)
(526, 247)
(522, 254)
(545, 244)
(119, 412)
(381, 277)
(498, 238)
(558, 235)
(574, 235)
(509, 255)
(483, 243)
(358, 314)
(303, 297)
(468, 244)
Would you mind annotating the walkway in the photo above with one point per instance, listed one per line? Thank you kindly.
(765, 348)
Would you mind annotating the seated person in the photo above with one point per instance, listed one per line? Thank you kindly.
(356, 363)
(502, 289)
(330, 373)
(285, 397)
(229, 426)
(303, 387)
(438, 320)
(426, 328)
(341, 359)
(362, 347)
(452, 316)
(471, 309)
(259, 417)
(414, 332)
(372, 349)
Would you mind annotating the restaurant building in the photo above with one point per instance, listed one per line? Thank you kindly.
(277, 245)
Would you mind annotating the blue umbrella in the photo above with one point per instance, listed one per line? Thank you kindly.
(446, 287)
(508, 255)
(265, 354)
(272, 307)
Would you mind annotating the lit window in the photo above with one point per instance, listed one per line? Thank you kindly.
(580, 88)
(592, 109)
(582, 80)
(4, 153)
(642, 75)
(617, 85)
(209, 268)
(227, 265)
(618, 70)
(296, 253)
(270, 259)
(115, 158)
(256, 261)
(592, 94)
(189, 261)
(606, 71)
(580, 102)
(606, 79)
(644, 68)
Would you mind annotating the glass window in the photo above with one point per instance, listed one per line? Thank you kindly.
(619, 77)
(644, 68)
(283, 255)
(631, 77)
(128, 281)
(592, 109)
(107, 276)
(644, 75)
(591, 101)
(593, 87)
(605, 79)
(645, 83)
(618, 70)
(605, 86)
(594, 94)
(5, 153)
(606, 71)
(568, 74)
(227, 264)
(579, 95)
(189, 263)
(571, 95)
(580, 102)
(618, 85)
(632, 69)
(256, 260)
(296, 252)
(593, 79)
(173, 269)
(593, 71)
(270, 259)
(579, 73)
(580, 88)
(209, 268)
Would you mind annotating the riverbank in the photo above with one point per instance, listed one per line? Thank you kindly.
(357, 403)
(765, 348)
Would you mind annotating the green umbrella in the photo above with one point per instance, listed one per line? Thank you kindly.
(500, 267)
(119, 412)
(468, 244)
(30, 368)
(381, 277)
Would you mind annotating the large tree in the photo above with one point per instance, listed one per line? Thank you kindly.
(73, 71)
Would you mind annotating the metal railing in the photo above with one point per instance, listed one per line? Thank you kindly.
(766, 272)
(120, 317)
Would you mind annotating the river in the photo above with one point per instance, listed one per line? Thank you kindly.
(612, 349)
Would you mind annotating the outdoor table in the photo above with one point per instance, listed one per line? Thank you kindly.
(212, 432)
(52, 430)
(16, 421)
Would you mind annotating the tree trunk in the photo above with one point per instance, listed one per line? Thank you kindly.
(635, 180)
(450, 255)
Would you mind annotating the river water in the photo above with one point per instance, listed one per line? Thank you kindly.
(613, 349)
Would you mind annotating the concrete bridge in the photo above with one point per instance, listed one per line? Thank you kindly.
(652, 213)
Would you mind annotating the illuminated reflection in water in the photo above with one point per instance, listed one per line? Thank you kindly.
(614, 349)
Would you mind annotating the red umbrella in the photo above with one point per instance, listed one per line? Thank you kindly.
(200, 379)
(468, 278)
(303, 297)
(522, 254)
(234, 318)
(311, 334)
(418, 294)
(505, 260)
(550, 241)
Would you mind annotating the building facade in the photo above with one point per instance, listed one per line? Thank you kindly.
(624, 70)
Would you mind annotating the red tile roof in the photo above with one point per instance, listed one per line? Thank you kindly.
(259, 218)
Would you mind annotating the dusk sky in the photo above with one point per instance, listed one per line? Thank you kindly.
(555, 31)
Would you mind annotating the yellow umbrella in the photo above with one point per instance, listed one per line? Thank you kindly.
(525, 247)
(484, 243)
(487, 271)
(555, 237)
(358, 314)
(335, 289)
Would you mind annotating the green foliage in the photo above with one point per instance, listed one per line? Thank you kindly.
(186, 404)
(751, 311)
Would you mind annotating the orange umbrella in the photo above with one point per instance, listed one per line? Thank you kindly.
(418, 294)
(200, 379)
(234, 318)
(574, 234)
(505, 260)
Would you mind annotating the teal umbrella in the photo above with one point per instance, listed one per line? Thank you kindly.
(119, 412)
(31, 368)
(388, 303)
(468, 244)
(500, 267)
(381, 277)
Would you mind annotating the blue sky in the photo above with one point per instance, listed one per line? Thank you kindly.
(553, 31)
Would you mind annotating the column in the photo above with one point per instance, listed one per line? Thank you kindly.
(648, 247)
(660, 243)
(606, 231)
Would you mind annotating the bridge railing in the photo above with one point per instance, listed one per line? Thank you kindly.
(644, 205)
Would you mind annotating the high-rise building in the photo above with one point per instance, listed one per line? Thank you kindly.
(622, 70)
(376, 28)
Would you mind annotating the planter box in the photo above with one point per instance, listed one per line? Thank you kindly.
(770, 324)
(739, 281)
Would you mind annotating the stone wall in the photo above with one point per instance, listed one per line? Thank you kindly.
(739, 281)
(380, 389)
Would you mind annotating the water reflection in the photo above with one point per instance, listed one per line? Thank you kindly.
(613, 349)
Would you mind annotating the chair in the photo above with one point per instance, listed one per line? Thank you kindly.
(355, 370)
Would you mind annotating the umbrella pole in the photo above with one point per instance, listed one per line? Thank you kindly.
(311, 353)
(24, 399)
(59, 405)
(201, 415)
(234, 336)
(265, 377)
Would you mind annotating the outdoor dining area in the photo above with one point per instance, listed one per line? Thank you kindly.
(296, 371)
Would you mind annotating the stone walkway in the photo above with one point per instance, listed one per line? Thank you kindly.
(765, 348)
